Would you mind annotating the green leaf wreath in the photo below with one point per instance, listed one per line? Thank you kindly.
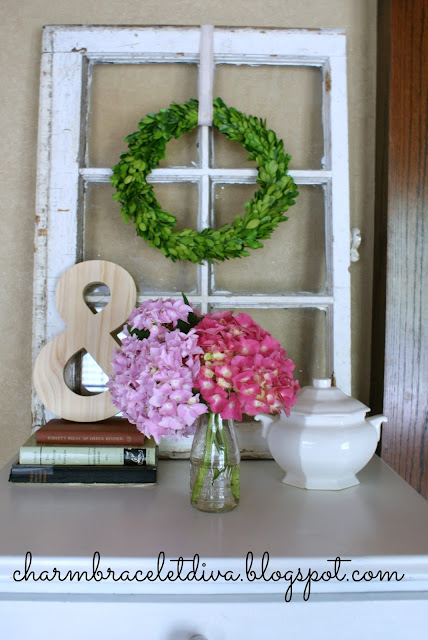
(263, 212)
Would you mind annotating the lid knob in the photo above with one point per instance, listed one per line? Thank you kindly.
(321, 383)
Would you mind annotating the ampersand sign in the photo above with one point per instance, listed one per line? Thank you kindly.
(85, 330)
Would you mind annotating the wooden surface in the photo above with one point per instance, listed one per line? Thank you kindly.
(85, 330)
(381, 209)
(402, 206)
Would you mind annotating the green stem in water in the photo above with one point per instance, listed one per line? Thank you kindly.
(233, 469)
(235, 482)
(215, 436)
(203, 469)
(220, 440)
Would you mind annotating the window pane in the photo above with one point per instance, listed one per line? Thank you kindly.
(293, 259)
(94, 379)
(107, 237)
(180, 199)
(289, 98)
(123, 94)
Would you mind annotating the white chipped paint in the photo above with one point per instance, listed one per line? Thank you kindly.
(293, 44)
(189, 174)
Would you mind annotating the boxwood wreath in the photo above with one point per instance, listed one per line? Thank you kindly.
(263, 212)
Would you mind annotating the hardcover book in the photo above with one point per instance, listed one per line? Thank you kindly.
(33, 453)
(112, 431)
(82, 474)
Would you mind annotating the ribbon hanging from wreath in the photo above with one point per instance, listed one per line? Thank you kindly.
(262, 214)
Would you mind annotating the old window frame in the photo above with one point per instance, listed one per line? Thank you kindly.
(68, 56)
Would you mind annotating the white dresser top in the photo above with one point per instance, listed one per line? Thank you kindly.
(380, 524)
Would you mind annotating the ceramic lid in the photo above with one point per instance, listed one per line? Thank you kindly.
(323, 399)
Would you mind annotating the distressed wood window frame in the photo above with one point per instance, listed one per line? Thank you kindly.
(68, 57)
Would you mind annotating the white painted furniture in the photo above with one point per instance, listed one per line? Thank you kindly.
(382, 524)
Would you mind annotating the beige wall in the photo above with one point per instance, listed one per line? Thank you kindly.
(20, 28)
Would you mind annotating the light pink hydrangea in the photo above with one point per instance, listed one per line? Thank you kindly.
(244, 369)
(153, 376)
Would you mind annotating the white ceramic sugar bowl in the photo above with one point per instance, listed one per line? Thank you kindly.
(326, 440)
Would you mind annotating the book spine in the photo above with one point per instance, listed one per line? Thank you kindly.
(99, 438)
(85, 474)
(65, 455)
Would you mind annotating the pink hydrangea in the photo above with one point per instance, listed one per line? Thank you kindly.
(244, 369)
(154, 371)
(236, 366)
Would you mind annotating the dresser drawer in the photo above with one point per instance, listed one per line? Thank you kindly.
(270, 618)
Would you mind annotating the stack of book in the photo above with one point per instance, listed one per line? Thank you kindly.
(108, 452)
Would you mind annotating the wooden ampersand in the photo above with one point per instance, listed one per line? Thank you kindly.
(85, 330)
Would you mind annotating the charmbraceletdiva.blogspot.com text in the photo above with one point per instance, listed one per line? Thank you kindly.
(193, 569)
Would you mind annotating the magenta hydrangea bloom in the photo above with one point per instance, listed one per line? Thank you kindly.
(154, 371)
(244, 369)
